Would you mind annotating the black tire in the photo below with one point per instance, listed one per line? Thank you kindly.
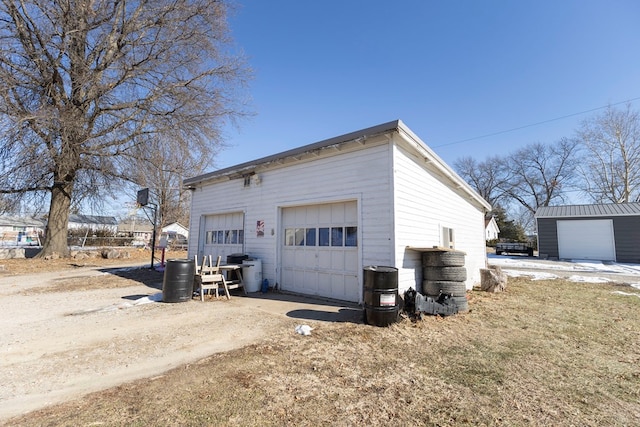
(443, 259)
(432, 287)
(449, 274)
(498, 252)
(462, 303)
(530, 252)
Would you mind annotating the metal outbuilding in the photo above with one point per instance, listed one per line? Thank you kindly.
(604, 232)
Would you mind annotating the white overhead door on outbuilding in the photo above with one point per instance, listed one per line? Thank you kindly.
(223, 234)
(586, 239)
(320, 250)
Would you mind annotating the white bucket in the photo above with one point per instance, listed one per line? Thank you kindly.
(252, 274)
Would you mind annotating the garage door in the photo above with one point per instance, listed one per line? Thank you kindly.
(320, 250)
(586, 239)
(223, 234)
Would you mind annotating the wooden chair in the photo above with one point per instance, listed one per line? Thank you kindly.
(207, 266)
(211, 278)
(234, 284)
(213, 282)
(198, 267)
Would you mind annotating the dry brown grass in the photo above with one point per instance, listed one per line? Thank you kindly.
(542, 353)
(35, 265)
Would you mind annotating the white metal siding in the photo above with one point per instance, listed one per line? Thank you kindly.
(389, 220)
(586, 239)
(424, 205)
(362, 175)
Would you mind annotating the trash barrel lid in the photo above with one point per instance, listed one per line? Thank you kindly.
(381, 269)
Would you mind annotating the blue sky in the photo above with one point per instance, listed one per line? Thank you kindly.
(451, 70)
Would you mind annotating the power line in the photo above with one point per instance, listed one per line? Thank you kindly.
(535, 124)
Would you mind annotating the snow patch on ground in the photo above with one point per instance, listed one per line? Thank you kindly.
(629, 294)
(531, 274)
(586, 279)
(532, 268)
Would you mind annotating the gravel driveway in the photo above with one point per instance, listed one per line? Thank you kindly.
(65, 334)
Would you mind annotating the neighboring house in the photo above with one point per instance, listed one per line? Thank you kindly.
(606, 232)
(139, 228)
(93, 222)
(317, 215)
(176, 230)
(491, 228)
(20, 230)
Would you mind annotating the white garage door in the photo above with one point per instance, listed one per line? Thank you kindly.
(222, 235)
(586, 239)
(320, 250)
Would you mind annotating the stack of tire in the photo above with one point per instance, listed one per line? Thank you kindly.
(444, 272)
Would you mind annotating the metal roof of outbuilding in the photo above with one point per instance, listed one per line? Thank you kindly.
(8, 220)
(93, 219)
(602, 210)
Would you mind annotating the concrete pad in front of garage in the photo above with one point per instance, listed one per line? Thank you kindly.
(304, 308)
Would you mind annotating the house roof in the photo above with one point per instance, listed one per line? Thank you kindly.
(491, 220)
(175, 224)
(358, 136)
(140, 226)
(93, 219)
(16, 221)
(602, 210)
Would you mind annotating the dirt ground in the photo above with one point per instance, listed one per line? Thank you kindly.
(544, 352)
(72, 327)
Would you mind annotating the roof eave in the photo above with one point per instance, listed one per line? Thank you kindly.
(431, 157)
(247, 167)
(394, 126)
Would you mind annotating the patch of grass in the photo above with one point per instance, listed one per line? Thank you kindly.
(542, 353)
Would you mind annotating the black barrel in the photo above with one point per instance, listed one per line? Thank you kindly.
(177, 285)
(380, 295)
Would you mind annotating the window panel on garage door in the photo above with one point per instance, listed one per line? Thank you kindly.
(320, 250)
(223, 234)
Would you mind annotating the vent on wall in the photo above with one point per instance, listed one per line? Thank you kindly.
(448, 238)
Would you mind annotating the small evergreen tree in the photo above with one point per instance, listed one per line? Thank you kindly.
(510, 231)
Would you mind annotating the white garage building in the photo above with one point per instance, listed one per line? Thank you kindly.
(317, 215)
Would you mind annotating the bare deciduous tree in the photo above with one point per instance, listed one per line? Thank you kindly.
(83, 83)
(540, 174)
(612, 167)
(161, 166)
(487, 178)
